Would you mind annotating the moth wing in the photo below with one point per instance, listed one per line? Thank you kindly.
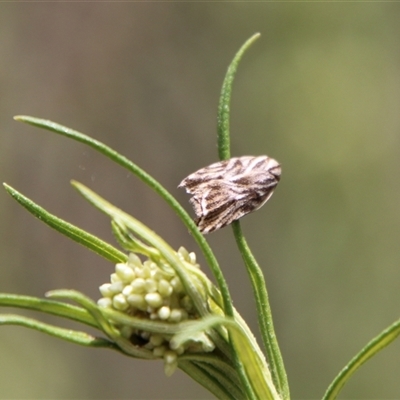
(236, 202)
(216, 204)
(194, 181)
(218, 218)
(211, 195)
(227, 190)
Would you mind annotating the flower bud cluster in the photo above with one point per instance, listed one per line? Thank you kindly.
(151, 291)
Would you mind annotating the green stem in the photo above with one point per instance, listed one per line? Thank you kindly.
(223, 133)
(254, 271)
(264, 313)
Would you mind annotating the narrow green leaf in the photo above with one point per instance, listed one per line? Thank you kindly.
(78, 235)
(217, 363)
(134, 245)
(372, 348)
(77, 337)
(253, 361)
(264, 313)
(224, 151)
(220, 376)
(208, 381)
(57, 308)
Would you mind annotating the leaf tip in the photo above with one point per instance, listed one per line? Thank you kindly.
(7, 187)
(76, 185)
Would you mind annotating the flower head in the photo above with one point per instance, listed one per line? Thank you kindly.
(152, 290)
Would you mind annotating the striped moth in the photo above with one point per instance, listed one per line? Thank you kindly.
(227, 190)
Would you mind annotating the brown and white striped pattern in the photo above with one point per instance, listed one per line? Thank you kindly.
(227, 190)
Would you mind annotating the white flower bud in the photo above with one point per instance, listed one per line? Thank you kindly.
(183, 254)
(116, 287)
(138, 285)
(148, 264)
(114, 278)
(150, 285)
(134, 260)
(164, 313)
(153, 299)
(170, 356)
(127, 290)
(119, 302)
(157, 274)
(171, 362)
(105, 290)
(164, 288)
(104, 302)
(125, 272)
(176, 315)
(192, 258)
(143, 272)
(137, 300)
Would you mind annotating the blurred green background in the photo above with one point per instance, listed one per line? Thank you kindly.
(320, 92)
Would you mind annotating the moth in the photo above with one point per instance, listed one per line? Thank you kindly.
(227, 190)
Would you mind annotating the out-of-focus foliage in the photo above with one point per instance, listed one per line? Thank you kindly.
(320, 92)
